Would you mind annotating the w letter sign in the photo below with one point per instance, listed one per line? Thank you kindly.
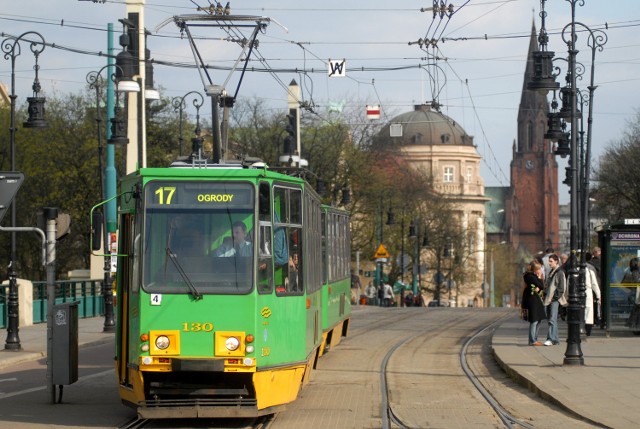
(337, 68)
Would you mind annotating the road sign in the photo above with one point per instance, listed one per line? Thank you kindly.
(381, 253)
(373, 112)
(10, 182)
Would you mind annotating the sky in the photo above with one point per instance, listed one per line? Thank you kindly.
(477, 78)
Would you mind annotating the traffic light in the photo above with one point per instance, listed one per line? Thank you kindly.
(412, 230)
(568, 176)
(291, 128)
(288, 145)
(564, 146)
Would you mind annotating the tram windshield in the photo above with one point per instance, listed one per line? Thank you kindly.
(198, 237)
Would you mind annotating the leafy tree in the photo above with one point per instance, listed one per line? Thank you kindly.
(60, 164)
(616, 188)
(163, 132)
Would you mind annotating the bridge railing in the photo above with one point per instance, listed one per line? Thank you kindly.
(88, 292)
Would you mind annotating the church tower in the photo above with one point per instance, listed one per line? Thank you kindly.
(532, 206)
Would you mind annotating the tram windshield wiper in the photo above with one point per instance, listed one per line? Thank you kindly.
(192, 289)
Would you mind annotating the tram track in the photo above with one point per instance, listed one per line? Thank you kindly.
(509, 420)
(134, 423)
(387, 413)
(389, 417)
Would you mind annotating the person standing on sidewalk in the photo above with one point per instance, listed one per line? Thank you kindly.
(388, 295)
(554, 297)
(532, 300)
(592, 300)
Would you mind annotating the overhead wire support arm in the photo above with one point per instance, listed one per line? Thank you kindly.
(220, 21)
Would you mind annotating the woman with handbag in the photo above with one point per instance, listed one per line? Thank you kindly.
(532, 307)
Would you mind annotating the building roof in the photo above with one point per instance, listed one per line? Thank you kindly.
(426, 126)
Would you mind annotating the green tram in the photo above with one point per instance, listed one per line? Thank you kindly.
(232, 281)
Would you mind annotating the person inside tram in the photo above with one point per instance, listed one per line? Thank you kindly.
(294, 263)
(238, 245)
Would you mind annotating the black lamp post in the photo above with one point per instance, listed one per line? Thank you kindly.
(96, 82)
(414, 232)
(179, 104)
(11, 48)
(577, 172)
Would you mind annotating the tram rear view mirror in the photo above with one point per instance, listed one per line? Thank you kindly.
(96, 230)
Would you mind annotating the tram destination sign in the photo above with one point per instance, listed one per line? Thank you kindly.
(10, 182)
(199, 195)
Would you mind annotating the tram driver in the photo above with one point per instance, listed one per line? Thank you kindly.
(238, 245)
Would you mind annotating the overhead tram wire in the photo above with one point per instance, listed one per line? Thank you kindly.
(482, 16)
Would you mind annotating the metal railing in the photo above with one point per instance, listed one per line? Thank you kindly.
(87, 292)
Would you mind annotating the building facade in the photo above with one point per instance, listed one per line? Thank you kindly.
(437, 145)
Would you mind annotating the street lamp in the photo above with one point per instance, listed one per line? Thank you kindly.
(414, 232)
(578, 171)
(179, 104)
(96, 82)
(11, 48)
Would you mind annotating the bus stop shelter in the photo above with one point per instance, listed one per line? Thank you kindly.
(620, 244)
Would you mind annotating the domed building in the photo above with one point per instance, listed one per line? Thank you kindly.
(438, 146)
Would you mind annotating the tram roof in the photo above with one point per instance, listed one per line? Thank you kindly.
(221, 171)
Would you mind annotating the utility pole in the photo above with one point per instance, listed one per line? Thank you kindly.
(137, 150)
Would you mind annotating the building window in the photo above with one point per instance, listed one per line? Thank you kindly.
(448, 175)
(469, 174)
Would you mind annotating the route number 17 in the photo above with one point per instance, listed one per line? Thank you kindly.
(165, 194)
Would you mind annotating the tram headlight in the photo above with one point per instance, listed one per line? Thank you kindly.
(232, 344)
(162, 342)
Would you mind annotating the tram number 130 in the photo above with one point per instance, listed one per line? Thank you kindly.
(197, 327)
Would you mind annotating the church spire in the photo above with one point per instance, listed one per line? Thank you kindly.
(533, 107)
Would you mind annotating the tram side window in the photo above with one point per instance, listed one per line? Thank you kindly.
(287, 246)
(265, 240)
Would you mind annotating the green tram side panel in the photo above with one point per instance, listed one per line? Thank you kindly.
(313, 322)
(280, 330)
(331, 305)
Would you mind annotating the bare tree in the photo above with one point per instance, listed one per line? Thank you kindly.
(616, 177)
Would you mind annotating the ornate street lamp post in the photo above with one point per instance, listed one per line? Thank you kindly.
(96, 82)
(179, 104)
(578, 171)
(12, 49)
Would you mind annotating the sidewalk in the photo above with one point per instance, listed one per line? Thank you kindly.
(605, 390)
(33, 340)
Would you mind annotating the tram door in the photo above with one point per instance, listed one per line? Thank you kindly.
(123, 296)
